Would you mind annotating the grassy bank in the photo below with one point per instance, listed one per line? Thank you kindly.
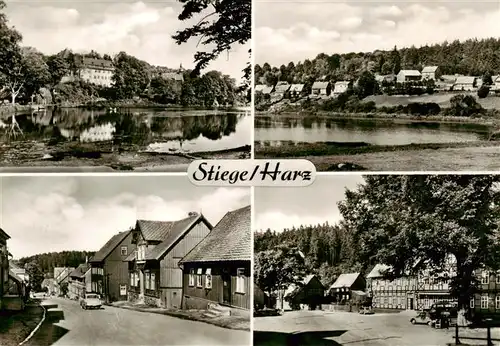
(15, 326)
(355, 148)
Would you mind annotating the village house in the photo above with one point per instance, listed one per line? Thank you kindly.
(348, 287)
(90, 70)
(486, 301)
(309, 294)
(430, 73)
(154, 274)
(320, 89)
(405, 76)
(14, 296)
(217, 270)
(108, 271)
(280, 90)
(4, 265)
(20, 272)
(49, 284)
(385, 79)
(296, 90)
(79, 279)
(464, 83)
(340, 87)
(479, 82)
(61, 275)
(496, 83)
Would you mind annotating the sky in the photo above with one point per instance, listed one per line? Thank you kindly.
(278, 208)
(300, 30)
(50, 213)
(141, 29)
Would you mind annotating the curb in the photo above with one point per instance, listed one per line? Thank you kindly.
(181, 316)
(36, 328)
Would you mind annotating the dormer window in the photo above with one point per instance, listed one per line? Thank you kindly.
(141, 252)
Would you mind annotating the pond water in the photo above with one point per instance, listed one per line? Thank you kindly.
(274, 131)
(133, 129)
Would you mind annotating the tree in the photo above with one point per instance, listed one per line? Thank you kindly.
(64, 289)
(232, 25)
(35, 274)
(130, 77)
(464, 106)
(58, 68)
(483, 91)
(367, 85)
(277, 269)
(414, 223)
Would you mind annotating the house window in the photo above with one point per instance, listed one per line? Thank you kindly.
(208, 278)
(484, 302)
(497, 302)
(498, 278)
(485, 278)
(240, 280)
(124, 251)
(147, 280)
(199, 276)
(141, 256)
(132, 277)
(153, 281)
(191, 277)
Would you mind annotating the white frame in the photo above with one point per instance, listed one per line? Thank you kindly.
(126, 251)
(486, 300)
(208, 278)
(199, 278)
(191, 277)
(240, 280)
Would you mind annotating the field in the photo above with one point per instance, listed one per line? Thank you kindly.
(442, 99)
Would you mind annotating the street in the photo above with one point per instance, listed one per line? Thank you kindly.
(344, 328)
(114, 326)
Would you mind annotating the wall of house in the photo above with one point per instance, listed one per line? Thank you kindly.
(97, 76)
(199, 297)
(116, 269)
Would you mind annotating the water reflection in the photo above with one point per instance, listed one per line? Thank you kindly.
(156, 130)
(279, 131)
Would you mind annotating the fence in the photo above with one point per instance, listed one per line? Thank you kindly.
(489, 340)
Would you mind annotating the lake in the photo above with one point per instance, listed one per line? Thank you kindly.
(149, 130)
(278, 130)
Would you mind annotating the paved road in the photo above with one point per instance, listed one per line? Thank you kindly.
(344, 328)
(114, 326)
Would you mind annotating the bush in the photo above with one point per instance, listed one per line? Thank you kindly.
(483, 92)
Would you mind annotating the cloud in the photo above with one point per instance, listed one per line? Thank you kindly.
(45, 217)
(364, 26)
(141, 29)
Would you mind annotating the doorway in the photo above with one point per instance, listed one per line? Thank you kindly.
(226, 288)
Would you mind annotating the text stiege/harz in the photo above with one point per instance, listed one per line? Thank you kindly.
(252, 172)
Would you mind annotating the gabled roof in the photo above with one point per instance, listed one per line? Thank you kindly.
(154, 230)
(281, 88)
(410, 72)
(345, 280)
(112, 243)
(63, 274)
(320, 85)
(229, 240)
(80, 271)
(429, 69)
(15, 277)
(465, 80)
(495, 78)
(293, 289)
(3, 234)
(297, 87)
(178, 230)
(378, 271)
(267, 89)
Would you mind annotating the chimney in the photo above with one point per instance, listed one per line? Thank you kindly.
(192, 213)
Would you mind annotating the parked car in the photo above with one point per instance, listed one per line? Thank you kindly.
(91, 301)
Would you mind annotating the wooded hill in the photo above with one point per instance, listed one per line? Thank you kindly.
(48, 261)
(472, 57)
(328, 249)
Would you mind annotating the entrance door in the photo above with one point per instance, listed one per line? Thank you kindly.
(226, 288)
(410, 303)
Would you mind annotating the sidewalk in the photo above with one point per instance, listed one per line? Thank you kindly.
(15, 326)
(228, 322)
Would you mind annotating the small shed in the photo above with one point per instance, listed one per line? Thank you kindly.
(307, 294)
(405, 76)
(464, 83)
(320, 88)
(340, 87)
(430, 72)
(296, 89)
